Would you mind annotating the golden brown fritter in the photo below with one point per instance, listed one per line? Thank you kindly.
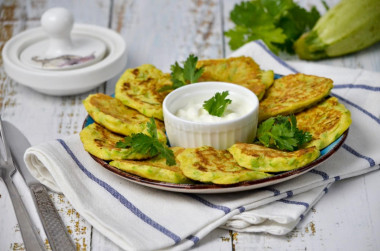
(243, 71)
(116, 117)
(154, 169)
(101, 143)
(264, 159)
(206, 164)
(139, 88)
(293, 93)
(326, 122)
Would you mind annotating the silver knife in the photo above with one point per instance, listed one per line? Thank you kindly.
(56, 232)
(32, 239)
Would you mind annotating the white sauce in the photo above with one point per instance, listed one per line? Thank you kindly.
(194, 110)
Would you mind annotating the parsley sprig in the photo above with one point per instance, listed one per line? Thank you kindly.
(148, 144)
(217, 104)
(281, 132)
(279, 23)
(187, 74)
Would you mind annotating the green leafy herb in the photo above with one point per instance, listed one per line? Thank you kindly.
(187, 74)
(281, 132)
(279, 23)
(217, 104)
(148, 144)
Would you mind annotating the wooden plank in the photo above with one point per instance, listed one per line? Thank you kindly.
(11, 22)
(168, 31)
(43, 117)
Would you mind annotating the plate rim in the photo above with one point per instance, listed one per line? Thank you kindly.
(221, 188)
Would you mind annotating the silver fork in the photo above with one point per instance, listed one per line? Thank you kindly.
(30, 236)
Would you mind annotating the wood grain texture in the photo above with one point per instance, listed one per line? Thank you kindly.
(161, 32)
(168, 31)
(42, 117)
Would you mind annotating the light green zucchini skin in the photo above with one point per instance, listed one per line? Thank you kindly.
(349, 26)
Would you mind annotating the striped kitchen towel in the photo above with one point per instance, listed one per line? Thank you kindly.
(136, 217)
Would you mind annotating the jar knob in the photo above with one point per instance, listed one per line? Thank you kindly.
(58, 23)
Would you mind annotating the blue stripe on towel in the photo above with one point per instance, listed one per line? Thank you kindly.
(352, 86)
(358, 107)
(241, 209)
(121, 198)
(351, 150)
(305, 204)
(258, 42)
(225, 209)
(324, 175)
(289, 194)
(275, 191)
(193, 238)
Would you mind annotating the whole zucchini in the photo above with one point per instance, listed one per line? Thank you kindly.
(349, 26)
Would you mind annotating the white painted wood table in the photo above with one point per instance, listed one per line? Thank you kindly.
(161, 32)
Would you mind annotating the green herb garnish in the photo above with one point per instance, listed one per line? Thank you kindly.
(148, 144)
(217, 104)
(187, 74)
(279, 23)
(281, 132)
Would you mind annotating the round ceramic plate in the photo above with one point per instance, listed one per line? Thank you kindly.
(214, 188)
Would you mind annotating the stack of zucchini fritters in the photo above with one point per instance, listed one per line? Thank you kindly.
(137, 99)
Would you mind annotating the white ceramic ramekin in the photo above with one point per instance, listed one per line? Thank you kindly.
(221, 134)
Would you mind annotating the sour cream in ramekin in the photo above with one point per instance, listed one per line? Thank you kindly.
(194, 110)
(188, 125)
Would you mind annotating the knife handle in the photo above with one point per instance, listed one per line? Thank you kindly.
(59, 238)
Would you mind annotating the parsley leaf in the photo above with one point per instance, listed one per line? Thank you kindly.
(148, 144)
(217, 104)
(124, 144)
(281, 132)
(279, 23)
(187, 74)
(152, 128)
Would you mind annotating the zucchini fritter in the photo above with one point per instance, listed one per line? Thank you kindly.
(293, 93)
(264, 159)
(101, 143)
(238, 70)
(206, 164)
(326, 122)
(116, 117)
(138, 89)
(154, 169)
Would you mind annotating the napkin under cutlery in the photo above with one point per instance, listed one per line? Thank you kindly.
(136, 217)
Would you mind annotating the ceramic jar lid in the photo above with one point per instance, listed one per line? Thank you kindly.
(61, 50)
(63, 58)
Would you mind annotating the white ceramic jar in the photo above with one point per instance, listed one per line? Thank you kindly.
(219, 134)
